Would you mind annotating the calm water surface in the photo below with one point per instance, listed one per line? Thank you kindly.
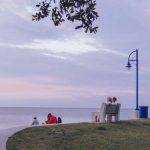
(14, 116)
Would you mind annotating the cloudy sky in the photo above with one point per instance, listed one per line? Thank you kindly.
(46, 66)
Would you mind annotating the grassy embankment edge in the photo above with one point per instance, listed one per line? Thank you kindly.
(122, 135)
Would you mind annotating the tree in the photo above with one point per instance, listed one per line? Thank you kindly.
(82, 11)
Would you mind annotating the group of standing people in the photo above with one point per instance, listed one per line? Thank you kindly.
(108, 117)
(51, 119)
(111, 100)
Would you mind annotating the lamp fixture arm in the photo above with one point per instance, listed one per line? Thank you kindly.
(130, 55)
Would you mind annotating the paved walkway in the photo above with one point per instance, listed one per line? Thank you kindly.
(4, 134)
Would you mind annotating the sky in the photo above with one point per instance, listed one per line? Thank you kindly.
(47, 66)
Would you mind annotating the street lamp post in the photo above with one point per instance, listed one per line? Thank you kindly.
(134, 59)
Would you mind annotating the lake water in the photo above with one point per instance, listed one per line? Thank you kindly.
(13, 117)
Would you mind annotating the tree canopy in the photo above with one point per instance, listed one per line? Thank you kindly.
(83, 11)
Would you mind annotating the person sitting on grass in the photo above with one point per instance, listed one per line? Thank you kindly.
(35, 121)
(51, 119)
(59, 120)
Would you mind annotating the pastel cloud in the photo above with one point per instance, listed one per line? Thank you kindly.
(57, 91)
(73, 46)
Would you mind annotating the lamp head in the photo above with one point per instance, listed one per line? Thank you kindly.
(128, 65)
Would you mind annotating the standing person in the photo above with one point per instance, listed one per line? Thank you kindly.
(35, 121)
(116, 117)
(103, 117)
(109, 100)
(114, 99)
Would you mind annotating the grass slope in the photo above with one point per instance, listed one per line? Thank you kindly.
(125, 135)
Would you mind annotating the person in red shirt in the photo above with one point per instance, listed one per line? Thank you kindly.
(51, 119)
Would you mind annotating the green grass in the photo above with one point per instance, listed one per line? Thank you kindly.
(125, 135)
